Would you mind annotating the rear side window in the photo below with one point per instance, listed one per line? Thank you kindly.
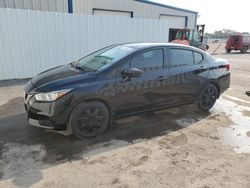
(198, 58)
(181, 57)
(210, 58)
(150, 59)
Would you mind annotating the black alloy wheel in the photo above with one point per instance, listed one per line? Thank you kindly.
(89, 119)
(207, 97)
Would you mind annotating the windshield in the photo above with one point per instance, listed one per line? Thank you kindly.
(104, 58)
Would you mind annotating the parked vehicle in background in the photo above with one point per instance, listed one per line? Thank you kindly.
(205, 41)
(238, 42)
(189, 37)
(122, 80)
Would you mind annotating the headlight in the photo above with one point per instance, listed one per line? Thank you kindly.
(51, 96)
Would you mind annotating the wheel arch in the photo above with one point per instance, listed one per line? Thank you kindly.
(101, 101)
(82, 100)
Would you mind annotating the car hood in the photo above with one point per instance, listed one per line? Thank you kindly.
(61, 77)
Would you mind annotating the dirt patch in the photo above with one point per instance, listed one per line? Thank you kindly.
(246, 113)
(115, 181)
(7, 110)
(98, 160)
(248, 133)
(9, 92)
(177, 139)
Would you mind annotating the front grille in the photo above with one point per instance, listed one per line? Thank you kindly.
(46, 123)
(33, 115)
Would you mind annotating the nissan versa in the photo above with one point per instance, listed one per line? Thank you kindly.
(120, 80)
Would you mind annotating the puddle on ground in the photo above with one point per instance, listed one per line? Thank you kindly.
(237, 135)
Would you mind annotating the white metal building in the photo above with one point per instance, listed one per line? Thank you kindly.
(42, 5)
(177, 18)
(33, 41)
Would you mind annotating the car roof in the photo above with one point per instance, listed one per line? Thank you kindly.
(140, 45)
(144, 45)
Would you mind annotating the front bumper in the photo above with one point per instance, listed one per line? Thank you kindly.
(49, 115)
(38, 123)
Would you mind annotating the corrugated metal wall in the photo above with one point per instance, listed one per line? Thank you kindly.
(140, 10)
(43, 5)
(32, 41)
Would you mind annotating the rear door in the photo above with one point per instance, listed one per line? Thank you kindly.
(188, 71)
(147, 91)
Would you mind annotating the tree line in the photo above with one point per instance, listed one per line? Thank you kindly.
(223, 34)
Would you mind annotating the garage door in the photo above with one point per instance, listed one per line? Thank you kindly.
(112, 13)
(174, 21)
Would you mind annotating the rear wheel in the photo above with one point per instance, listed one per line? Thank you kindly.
(228, 50)
(244, 49)
(207, 97)
(89, 119)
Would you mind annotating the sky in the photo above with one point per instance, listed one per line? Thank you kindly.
(217, 14)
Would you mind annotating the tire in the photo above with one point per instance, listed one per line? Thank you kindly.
(89, 119)
(207, 97)
(244, 50)
(228, 50)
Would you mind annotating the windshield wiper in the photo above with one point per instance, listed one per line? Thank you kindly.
(81, 68)
(76, 66)
(73, 64)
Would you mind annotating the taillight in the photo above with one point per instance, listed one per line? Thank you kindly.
(227, 66)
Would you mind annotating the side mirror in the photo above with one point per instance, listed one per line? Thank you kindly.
(133, 72)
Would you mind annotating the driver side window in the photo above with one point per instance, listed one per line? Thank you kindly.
(149, 60)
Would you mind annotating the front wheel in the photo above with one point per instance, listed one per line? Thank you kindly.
(207, 97)
(228, 50)
(89, 119)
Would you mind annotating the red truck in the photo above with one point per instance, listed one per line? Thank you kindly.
(238, 42)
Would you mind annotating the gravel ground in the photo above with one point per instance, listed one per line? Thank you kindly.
(179, 147)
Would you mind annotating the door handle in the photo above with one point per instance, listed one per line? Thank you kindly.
(161, 78)
(203, 67)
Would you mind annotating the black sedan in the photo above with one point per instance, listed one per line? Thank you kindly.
(120, 80)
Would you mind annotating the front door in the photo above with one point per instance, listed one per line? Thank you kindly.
(147, 91)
